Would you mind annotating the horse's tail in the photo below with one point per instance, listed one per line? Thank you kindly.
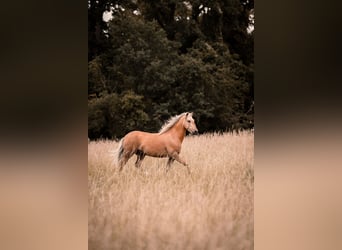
(119, 152)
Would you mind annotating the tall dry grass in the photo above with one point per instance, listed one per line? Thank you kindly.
(147, 208)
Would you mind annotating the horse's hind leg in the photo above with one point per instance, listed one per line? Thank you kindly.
(140, 157)
(124, 159)
(122, 162)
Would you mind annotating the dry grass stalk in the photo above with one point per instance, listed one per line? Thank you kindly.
(148, 208)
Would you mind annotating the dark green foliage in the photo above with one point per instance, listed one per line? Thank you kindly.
(166, 61)
(113, 115)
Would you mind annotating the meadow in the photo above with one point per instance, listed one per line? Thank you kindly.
(149, 208)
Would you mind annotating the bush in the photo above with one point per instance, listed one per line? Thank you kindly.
(113, 115)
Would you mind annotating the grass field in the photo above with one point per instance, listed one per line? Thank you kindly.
(147, 208)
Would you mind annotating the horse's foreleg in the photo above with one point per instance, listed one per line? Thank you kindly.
(176, 157)
(169, 162)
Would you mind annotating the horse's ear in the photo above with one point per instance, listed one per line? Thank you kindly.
(186, 115)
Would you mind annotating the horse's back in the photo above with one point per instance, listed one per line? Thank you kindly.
(133, 137)
(150, 143)
(139, 135)
(137, 138)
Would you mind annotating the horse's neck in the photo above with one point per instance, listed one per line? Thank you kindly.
(179, 130)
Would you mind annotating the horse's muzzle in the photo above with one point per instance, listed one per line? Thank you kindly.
(195, 132)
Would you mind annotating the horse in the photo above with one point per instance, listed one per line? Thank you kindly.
(166, 143)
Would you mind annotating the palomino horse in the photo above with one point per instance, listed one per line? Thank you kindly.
(166, 143)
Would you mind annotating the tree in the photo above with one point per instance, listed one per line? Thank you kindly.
(113, 115)
(162, 58)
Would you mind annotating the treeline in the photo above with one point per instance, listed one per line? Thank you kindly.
(155, 59)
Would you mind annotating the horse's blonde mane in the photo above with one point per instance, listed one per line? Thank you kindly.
(169, 123)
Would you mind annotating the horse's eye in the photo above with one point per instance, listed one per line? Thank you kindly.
(189, 121)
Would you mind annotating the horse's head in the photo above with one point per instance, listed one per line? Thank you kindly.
(189, 123)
